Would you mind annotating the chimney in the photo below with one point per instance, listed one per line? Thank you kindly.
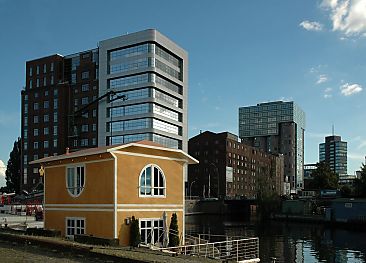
(67, 150)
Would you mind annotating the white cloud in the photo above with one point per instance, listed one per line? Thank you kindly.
(350, 89)
(356, 156)
(327, 93)
(327, 96)
(311, 26)
(2, 173)
(348, 16)
(321, 79)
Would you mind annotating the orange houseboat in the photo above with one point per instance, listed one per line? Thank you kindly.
(98, 190)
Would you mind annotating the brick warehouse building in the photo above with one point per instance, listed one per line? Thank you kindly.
(132, 87)
(231, 168)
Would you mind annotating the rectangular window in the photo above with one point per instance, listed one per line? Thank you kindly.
(25, 175)
(45, 144)
(46, 104)
(51, 67)
(30, 72)
(44, 68)
(52, 80)
(25, 146)
(35, 106)
(73, 78)
(85, 128)
(55, 130)
(44, 81)
(55, 106)
(94, 127)
(35, 132)
(55, 119)
(84, 142)
(35, 145)
(37, 84)
(30, 84)
(84, 100)
(85, 75)
(151, 231)
(45, 131)
(75, 226)
(55, 143)
(25, 121)
(55, 92)
(46, 118)
(35, 119)
(85, 87)
(94, 141)
(25, 159)
(37, 70)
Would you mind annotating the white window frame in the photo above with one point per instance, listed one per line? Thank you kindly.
(152, 182)
(75, 219)
(72, 193)
(151, 228)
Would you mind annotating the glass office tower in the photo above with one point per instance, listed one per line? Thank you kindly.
(334, 152)
(277, 127)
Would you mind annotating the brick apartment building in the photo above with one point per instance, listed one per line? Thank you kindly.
(231, 168)
(132, 87)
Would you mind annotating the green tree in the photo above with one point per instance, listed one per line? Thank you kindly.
(12, 174)
(360, 183)
(268, 200)
(135, 237)
(346, 191)
(324, 177)
(173, 231)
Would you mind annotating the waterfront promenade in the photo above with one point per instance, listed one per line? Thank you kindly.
(23, 248)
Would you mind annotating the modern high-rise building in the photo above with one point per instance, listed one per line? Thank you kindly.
(150, 74)
(132, 87)
(334, 152)
(277, 127)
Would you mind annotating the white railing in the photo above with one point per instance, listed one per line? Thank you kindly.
(239, 250)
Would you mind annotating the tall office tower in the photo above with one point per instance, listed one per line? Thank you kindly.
(130, 88)
(277, 127)
(334, 152)
(149, 75)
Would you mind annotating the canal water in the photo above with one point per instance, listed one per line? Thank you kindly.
(287, 242)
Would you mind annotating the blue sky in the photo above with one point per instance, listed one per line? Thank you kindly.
(241, 53)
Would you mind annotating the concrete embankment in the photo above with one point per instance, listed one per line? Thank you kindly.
(111, 254)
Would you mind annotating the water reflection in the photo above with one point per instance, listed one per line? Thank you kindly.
(288, 242)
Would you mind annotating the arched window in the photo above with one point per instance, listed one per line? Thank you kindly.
(75, 180)
(152, 181)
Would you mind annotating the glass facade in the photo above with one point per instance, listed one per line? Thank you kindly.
(334, 152)
(148, 80)
(264, 121)
(163, 140)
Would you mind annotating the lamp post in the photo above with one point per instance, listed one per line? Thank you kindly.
(218, 179)
(190, 189)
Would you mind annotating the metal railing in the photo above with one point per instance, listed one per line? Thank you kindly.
(239, 250)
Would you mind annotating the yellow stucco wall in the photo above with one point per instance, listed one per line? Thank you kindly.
(98, 184)
(128, 180)
(99, 224)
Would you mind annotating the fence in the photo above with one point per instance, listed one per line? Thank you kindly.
(239, 250)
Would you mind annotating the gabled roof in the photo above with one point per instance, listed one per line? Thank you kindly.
(115, 148)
